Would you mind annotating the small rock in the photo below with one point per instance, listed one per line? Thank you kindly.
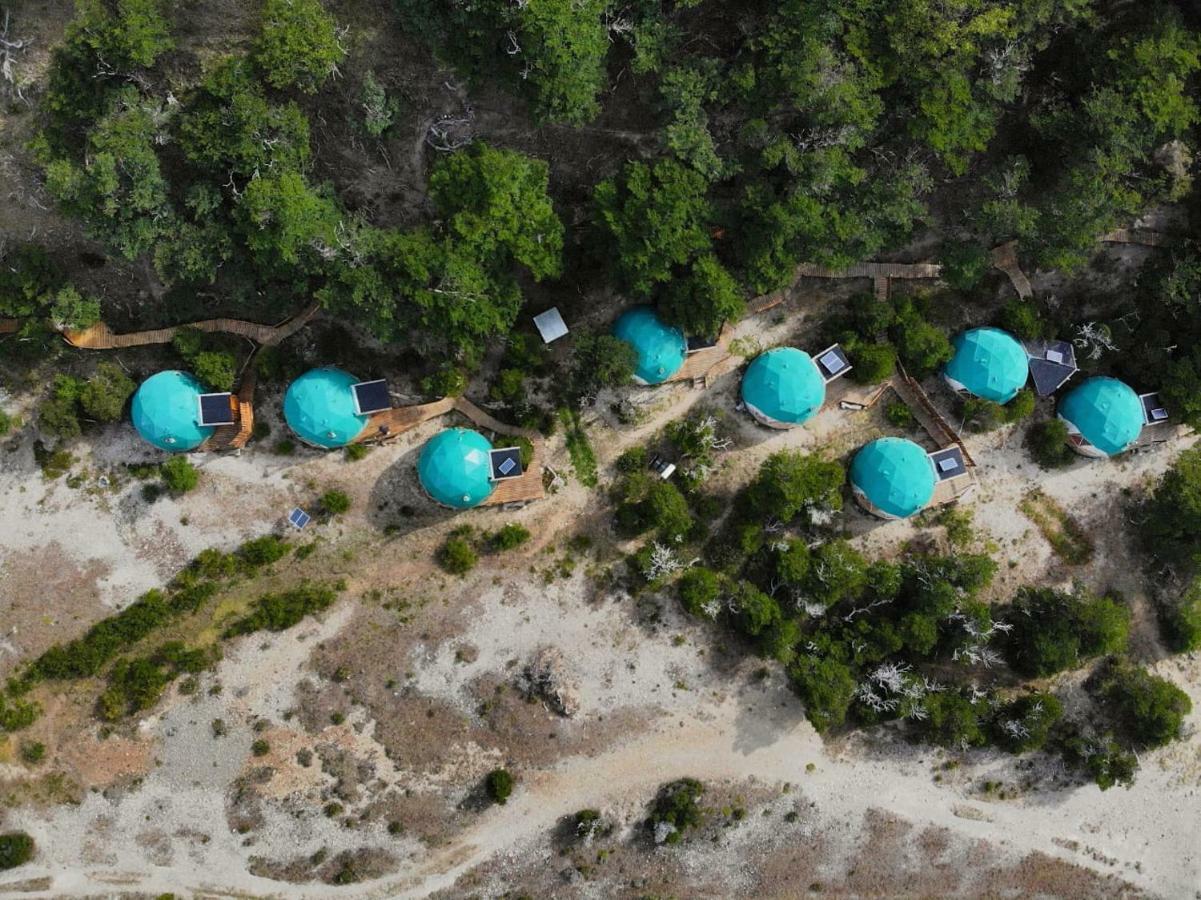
(547, 678)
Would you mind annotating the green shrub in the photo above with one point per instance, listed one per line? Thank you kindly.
(872, 363)
(964, 264)
(280, 611)
(285, 447)
(1021, 406)
(826, 687)
(953, 720)
(1047, 442)
(1023, 319)
(334, 502)
(899, 415)
(982, 415)
(1181, 621)
(180, 475)
(499, 784)
(790, 483)
(262, 551)
(356, 452)
(676, 810)
(17, 714)
(457, 556)
(260, 747)
(217, 370)
(33, 753)
(1052, 631)
(509, 537)
(103, 396)
(870, 316)
(635, 459)
(299, 45)
(16, 849)
(1148, 709)
(921, 346)
(1025, 724)
(7, 423)
(699, 589)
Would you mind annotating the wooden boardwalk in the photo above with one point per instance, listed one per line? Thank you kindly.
(101, 337)
(1144, 237)
(703, 365)
(523, 489)
(10, 326)
(872, 270)
(928, 417)
(1005, 258)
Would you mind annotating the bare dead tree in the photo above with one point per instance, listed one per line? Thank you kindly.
(10, 49)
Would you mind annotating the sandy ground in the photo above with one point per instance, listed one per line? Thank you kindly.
(176, 808)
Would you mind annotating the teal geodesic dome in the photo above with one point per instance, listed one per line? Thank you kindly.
(661, 349)
(783, 387)
(988, 363)
(319, 407)
(1105, 412)
(892, 477)
(455, 468)
(166, 411)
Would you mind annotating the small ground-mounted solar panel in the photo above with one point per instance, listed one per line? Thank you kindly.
(216, 409)
(1154, 412)
(948, 463)
(833, 362)
(298, 518)
(371, 397)
(550, 325)
(700, 342)
(506, 463)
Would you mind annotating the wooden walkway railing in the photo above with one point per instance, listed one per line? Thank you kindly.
(930, 418)
(101, 337)
(396, 421)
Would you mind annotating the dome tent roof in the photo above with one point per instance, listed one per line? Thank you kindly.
(1106, 412)
(454, 468)
(784, 385)
(894, 476)
(661, 349)
(319, 407)
(989, 363)
(166, 411)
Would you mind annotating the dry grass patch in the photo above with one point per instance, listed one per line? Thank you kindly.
(1065, 534)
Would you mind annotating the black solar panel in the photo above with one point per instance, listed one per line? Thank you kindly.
(371, 397)
(506, 463)
(216, 409)
(700, 342)
(948, 463)
(1154, 411)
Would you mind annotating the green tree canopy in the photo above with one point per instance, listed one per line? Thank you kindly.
(299, 45)
(656, 218)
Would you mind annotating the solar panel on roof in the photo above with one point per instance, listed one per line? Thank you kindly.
(832, 361)
(216, 409)
(948, 462)
(1054, 356)
(298, 518)
(371, 397)
(506, 462)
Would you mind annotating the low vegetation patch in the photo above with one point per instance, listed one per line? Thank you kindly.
(1066, 536)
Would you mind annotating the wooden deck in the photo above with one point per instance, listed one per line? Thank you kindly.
(523, 489)
(101, 337)
(10, 326)
(699, 367)
(237, 435)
